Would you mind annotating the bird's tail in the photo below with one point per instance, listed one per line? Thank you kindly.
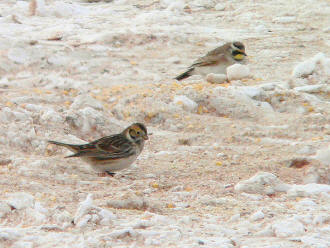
(71, 147)
(185, 74)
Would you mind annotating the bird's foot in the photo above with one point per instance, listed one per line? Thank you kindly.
(106, 173)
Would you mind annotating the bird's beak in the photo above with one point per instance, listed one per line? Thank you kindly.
(145, 137)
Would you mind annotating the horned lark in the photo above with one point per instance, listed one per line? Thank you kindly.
(217, 60)
(111, 153)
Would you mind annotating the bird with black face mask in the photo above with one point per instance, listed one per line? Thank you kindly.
(217, 60)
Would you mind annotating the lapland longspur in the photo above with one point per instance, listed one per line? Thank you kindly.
(111, 153)
(217, 60)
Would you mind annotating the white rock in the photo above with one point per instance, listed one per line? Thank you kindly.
(18, 55)
(253, 196)
(10, 234)
(20, 200)
(4, 209)
(307, 67)
(235, 217)
(252, 92)
(288, 228)
(219, 7)
(262, 183)
(176, 5)
(323, 155)
(304, 69)
(187, 103)
(82, 101)
(87, 212)
(216, 78)
(84, 208)
(321, 219)
(284, 19)
(51, 116)
(106, 217)
(316, 88)
(257, 216)
(311, 189)
(237, 71)
(22, 244)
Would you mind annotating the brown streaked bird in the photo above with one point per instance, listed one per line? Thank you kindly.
(111, 153)
(217, 60)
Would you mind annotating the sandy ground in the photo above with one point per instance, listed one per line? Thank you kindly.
(73, 71)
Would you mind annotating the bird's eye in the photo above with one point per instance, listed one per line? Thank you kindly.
(138, 132)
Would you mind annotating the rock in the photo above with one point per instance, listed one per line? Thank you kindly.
(323, 155)
(22, 244)
(83, 101)
(237, 71)
(235, 103)
(216, 78)
(288, 228)
(262, 183)
(4, 209)
(321, 219)
(128, 201)
(20, 200)
(187, 103)
(9, 234)
(220, 7)
(87, 212)
(309, 190)
(316, 88)
(307, 67)
(257, 216)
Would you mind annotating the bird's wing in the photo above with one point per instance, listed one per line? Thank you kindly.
(211, 58)
(109, 147)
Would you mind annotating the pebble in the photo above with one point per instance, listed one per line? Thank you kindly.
(20, 200)
(262, 183)
(237, 71)
(257, 216)
(216, 78)
(288, 228)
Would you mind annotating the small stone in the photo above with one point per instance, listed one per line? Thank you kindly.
(257, 216)
(20, 200)
(187, 103)
(262, 183)
(238, 71)
(216, 78)
(4, 209)
(288, 228)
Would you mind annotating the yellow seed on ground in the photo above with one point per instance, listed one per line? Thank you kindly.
(170, 205)
(218, 163)
(9, 104)
(200, 109)
(310, 109)
(155, 185)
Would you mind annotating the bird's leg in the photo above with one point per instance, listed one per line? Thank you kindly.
(106, 173)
